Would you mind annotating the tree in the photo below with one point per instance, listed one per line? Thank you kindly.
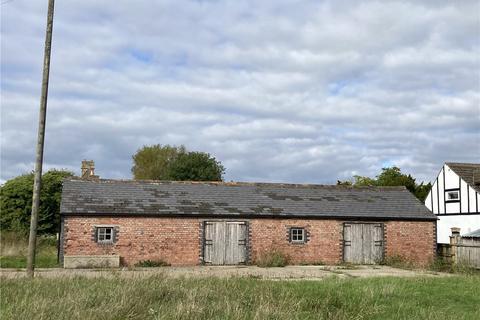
(16, 202)
(167, 162)
(422, 190)
(153, 162)
(392, 177)
(196, 166)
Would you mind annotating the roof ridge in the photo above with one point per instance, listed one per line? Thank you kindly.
(236, 183)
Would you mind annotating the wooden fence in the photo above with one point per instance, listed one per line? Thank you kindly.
(468, 252)
(461, 251)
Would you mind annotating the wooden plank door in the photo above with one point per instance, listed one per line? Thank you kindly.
(214, 245)
(235, 242)
(352, 243)
(225, 242)
(378, 243)
(363, 243)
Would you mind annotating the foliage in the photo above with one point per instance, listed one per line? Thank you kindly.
(422, 190)
(196, 166)
(273, 258)
(153, 162)
(151, 263)
(391, 177)
(167, 162)
(16, 202)
(13, 251)
(158, 297)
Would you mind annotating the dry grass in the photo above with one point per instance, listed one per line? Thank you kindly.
(240, 298)
(13, 251)
(271, 259)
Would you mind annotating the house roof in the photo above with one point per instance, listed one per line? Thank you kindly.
(465, 171)
(473, 234)
(229, 199)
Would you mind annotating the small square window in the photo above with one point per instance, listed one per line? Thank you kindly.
(105, 234)
(297, 235)
(453, 195)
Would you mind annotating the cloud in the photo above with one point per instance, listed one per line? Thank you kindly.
(294, 91)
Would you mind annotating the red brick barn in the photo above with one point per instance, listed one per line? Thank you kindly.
(192, 223)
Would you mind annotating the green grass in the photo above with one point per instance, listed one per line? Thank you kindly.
(43, 260)
(13, 251)
(240, 298)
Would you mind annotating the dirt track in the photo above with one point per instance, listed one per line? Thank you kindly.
(286, 273)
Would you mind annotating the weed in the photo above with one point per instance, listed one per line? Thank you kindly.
(347, 266)
(313, 263)
(397, 261)
(273, 258)
(151, 263)
(441, 265)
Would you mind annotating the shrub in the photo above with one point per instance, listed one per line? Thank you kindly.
(151, 264)
(271, 259)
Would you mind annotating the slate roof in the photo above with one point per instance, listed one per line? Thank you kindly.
(465, 171)
(163, 198)
(473, 234)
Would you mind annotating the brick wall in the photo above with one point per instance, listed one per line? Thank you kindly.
(414, 241)
(178, 240)
(175, 241)
(323, 245)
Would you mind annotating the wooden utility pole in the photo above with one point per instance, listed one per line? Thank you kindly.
(37, 183)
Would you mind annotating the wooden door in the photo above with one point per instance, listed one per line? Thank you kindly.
(363, 243)
(235, 242)
(225, 242)
(214, 246)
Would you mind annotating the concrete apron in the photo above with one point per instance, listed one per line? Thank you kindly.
(283, 273)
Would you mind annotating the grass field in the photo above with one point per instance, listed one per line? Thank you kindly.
(13, 251)
(157, 297)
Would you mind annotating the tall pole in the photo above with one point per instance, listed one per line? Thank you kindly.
(37, 183)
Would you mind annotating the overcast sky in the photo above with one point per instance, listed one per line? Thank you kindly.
(290, 91)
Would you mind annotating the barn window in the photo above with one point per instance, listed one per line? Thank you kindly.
(105, 234)
(297, 235)
(453, 195)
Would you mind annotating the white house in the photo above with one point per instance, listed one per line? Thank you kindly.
(455, 199)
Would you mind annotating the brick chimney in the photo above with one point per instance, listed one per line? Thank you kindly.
(88, 169)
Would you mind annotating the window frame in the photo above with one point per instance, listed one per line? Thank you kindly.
(295, 232)
(449, 192)
(104, 234)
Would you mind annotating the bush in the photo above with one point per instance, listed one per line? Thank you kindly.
(16, 203)
(151, 264)
(272, 259)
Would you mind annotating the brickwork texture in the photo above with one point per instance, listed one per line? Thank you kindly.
(178, 241)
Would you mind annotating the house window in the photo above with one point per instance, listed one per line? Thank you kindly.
(105, 234)
(453, 195)
(297, 235)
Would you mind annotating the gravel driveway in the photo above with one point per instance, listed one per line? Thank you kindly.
(285, 273)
